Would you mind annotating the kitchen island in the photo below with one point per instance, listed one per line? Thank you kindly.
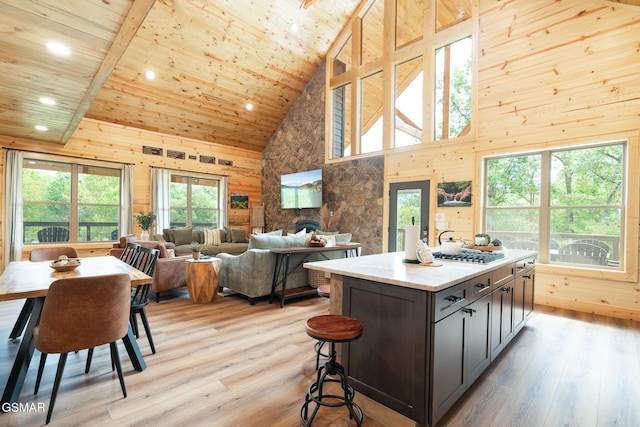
(429, 331)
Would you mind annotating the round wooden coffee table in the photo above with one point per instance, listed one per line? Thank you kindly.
(203, 278)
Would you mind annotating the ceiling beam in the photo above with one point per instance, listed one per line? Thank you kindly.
(137, 13)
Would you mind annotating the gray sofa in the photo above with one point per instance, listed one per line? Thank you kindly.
(251, 273)
(232, 241)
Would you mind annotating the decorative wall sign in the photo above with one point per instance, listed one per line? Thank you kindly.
(454, 194)
(207, 159)
(154, 151)
(239, 201)
(225, 162)
(193, 157)
(172, 154)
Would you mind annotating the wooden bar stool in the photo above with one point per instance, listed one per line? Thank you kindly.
(333, 329)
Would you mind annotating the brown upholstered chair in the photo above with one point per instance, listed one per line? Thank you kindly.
(39, 254)
(82, 313)
(51, 253)
(144, 260)
(169, 272)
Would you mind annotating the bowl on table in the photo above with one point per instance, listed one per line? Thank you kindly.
(65, 264)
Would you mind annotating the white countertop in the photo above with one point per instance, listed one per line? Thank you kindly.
(389, 268)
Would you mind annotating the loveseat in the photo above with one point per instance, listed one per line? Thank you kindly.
(169, 272)
(232, 240)
(251, 273)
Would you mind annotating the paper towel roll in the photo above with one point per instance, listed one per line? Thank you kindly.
(411, 237)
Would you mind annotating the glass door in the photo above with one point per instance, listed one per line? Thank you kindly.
(408, 204)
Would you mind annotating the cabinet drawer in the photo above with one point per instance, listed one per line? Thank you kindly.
(449, 300)
(525, 265)
(502, 275)
(479, 286)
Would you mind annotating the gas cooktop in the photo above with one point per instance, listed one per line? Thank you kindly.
(472, 256)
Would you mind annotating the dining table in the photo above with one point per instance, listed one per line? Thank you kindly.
(31, 280)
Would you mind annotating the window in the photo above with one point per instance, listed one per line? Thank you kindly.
(567, 204)
(195, 202)
(453, 90)
(69, 202)
(414, 90)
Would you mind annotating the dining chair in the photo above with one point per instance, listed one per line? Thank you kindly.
(39, 254)
(82, 313)
(145, 262)
(130, 253)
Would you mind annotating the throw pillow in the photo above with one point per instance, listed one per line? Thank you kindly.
(223, 235)
(334, 238)
(182, 236)
(211, 237)
(227, 232)
(167, 235)
(238, 236)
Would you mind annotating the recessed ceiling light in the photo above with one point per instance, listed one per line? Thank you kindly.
(150, 75)
(58, 48)
(249, 107)
(294, 27)
(47, 101)
(42, 128)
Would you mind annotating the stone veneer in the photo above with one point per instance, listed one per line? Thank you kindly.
(297, 146)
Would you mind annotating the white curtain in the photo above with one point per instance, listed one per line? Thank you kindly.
(224, 218)
(126, 200)
(12, 225)
(160, 183)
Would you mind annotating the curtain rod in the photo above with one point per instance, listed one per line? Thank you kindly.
(69, 156)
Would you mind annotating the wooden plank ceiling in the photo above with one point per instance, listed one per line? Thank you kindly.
(210, 57)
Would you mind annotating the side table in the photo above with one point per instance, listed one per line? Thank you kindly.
(203, 277)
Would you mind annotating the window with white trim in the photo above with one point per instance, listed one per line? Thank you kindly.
(195, 202)
(567, 204)
(70, 202)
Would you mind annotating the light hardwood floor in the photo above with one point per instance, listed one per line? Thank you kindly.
(232, 364)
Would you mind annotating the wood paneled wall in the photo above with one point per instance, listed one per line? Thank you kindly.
(97, 140)
(550, 73)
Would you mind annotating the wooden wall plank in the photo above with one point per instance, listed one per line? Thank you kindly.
(549, 74)
(103, 141)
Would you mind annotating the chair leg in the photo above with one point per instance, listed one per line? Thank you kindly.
(157, 297)
(134, 324)
(87, 367)
(147, 329)
(43, 359)
(115, 357)
(56, 385)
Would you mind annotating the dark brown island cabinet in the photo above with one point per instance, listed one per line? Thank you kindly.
(421, 349)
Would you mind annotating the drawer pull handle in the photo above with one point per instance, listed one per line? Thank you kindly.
(453, 298)
(505, 289)
(469, 311)
(481, 285)
(526, 276)
(520, 267)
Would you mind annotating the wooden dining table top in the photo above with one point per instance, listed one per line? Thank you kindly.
(30, 279)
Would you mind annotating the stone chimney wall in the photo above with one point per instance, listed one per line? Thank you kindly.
(298, 146)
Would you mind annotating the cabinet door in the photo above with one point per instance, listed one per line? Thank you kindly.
(529, 289)
(449, 376)
(388, 362)
(518, 303)
(501, 319)
(479, 341)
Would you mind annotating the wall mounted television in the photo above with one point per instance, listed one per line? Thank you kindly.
(301, 190)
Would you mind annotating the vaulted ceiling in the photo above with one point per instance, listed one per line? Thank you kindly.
(211, 58)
